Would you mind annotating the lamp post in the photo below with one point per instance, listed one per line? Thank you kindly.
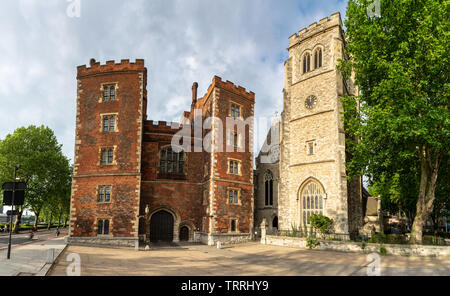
(8, 256)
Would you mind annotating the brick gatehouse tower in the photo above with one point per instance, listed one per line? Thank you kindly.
(131, 185)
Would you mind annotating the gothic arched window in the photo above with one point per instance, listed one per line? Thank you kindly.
(268, 186)
(318, 58)
(306, 63)
(312, 199)
(172, 163)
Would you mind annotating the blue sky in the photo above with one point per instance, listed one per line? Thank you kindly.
(182, 41)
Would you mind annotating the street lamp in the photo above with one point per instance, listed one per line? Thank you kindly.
(16, 168)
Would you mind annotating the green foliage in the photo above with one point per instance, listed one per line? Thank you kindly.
(294, 230)
(312, 242)
(433, 240)
(321, 223)
(44, 168)
(383, 251)
(400, 62)
(380, 238)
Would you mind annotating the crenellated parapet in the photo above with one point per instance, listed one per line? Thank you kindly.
(111, 66)
(314, 28)
(161, 126)
(230, 86)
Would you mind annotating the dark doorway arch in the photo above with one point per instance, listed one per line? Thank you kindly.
(161, 227)
(184, 234)
(275, 222)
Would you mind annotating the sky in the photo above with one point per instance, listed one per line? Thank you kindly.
(182, 41)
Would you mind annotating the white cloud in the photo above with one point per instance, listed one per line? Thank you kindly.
(182, 41)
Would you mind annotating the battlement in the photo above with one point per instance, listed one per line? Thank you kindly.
(333, 20)
(110, 66)
(150, 125)
(230, 86)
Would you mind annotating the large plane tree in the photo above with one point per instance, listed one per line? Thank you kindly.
(400, 58)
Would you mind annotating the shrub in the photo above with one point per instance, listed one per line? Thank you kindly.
(380, 238)
(321, 223)
(433, 240)
(312, 242)
(294, 230)
(383, 251)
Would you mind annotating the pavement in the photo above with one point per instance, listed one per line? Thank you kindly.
(252, 259)
(30, 257)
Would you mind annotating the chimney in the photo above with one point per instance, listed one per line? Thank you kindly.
(194, 92)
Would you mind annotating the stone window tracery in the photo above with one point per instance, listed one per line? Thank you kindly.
(312, 198)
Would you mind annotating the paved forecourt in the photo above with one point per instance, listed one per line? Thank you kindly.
(29, 257)
(250, 259)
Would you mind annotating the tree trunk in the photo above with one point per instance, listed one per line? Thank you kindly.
(36, 221)
(49, 221)
(428, 178)
(18, 221)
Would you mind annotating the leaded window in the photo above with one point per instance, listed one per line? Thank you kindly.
(312, 197)
(109, 123)
(318, 58)
(104, 193)
(103, 227)
(233, 167)
(235, 111)
(233, 196)
(268, 188)
(172, 163)
(306, 63)
(107, 156)
(109, 93)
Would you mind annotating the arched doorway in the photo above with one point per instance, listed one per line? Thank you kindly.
(161, 227)
(275, 222)
(184, 234)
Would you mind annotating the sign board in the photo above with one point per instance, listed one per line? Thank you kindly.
(15, 213)
(19, 198)
(10, 186)
(19, 193)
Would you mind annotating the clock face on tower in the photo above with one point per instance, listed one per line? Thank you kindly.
(311, 102)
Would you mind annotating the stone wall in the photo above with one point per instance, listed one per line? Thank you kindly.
(392, 249)
(118, 242)
(224, 239)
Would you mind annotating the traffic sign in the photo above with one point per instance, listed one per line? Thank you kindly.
(10, 186)
(19, 198)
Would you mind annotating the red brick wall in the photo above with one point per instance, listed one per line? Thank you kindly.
(124, 174)
(135, 178)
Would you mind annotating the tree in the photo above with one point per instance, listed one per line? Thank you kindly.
(400, 61)
(44, 168)
(398, 191)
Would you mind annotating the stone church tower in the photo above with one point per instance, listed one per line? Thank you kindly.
(313, 177)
